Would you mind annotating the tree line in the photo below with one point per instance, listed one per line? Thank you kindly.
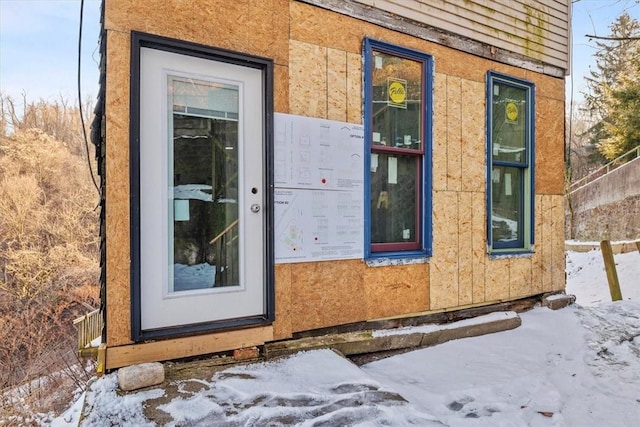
(608, 124)
(49, 248)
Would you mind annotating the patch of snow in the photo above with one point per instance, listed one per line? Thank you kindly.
(309, 388)
(550, 365)
(587, 278)
(597, 243)
(190, 277)
(104, 406)
(556, 297)
(193, 192)
(95, 343)
(578, 366)
(71, 416)
(384, 262)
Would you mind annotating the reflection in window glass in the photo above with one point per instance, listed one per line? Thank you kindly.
(509, 124)
(204, 184)
(394, 207)
(506, 210)
(397, 102)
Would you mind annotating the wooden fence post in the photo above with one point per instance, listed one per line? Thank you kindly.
(610, 267)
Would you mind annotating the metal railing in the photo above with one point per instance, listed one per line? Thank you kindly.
(602, 171)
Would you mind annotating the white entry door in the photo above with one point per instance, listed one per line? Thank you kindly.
(202, 191)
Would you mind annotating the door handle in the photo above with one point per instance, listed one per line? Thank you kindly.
(255, 208)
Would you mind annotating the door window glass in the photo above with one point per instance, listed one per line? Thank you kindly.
(204, 184)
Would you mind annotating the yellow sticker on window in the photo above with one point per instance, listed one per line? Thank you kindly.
(397, 89)
(511, 110)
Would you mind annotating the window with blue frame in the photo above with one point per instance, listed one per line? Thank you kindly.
(510, 163)
(398, 94)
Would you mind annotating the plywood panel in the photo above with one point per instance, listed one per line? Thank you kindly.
(473, 152)
(308, 80)
(549, 146)
(454, 133)
(536, 258)
(479, 244)
(467, 67)
(440, 133)
(281, 89)
(546, 243)
(267, 31)
(322, 27)
(336, 85)
(465, 248)
(519, 277)
(307, 296)
(396, 290)
(497, 279)
(550, 87)
(557, 249)
(117, 190)
(354, 88)
(259, 28)
(323, 294)
(283, 325)
(443, 270)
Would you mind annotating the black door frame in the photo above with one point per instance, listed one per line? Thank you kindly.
(138, 41)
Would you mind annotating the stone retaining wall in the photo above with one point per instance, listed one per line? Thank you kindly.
(607, 208)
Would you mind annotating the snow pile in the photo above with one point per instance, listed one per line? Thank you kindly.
(572, 367)
(579, 366)
(312, 388)
(587, 279)
(105, 407)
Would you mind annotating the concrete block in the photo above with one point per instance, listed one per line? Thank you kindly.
(139, 376)
(558, 301)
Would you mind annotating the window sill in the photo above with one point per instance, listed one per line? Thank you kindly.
(387, 260)
(514, 253)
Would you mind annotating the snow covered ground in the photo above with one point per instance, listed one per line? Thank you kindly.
(587, 279)
(578, 366)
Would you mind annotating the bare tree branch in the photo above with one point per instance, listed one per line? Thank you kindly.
(593, 36)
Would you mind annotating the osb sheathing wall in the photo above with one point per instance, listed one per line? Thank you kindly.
(318, 73)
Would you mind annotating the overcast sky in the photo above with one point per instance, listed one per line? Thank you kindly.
(39, 44)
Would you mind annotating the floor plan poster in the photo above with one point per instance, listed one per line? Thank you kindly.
(317, 153)
(316, 225)
(319, 192)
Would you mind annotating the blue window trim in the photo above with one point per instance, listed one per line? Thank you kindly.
(425, 204)
(524, 245)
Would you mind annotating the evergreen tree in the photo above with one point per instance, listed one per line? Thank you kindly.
(614, 90)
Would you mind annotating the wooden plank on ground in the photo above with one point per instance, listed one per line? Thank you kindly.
(185, 347)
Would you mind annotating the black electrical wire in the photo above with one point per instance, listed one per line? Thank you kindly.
(84, 130)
